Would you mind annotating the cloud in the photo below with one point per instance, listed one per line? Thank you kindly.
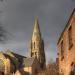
(18, 19)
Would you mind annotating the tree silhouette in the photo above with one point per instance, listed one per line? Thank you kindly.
(51, 69)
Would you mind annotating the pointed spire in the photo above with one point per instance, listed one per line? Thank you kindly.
(36, 24)
(36, 27)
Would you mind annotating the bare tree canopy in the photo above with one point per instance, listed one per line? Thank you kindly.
(51, 69)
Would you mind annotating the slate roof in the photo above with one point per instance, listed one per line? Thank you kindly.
(20, 58)
(13, 61)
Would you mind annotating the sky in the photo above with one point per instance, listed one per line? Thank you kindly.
(17, 18)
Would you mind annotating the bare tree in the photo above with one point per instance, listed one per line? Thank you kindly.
(51, 69)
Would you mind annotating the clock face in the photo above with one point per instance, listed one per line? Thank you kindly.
(2, 67)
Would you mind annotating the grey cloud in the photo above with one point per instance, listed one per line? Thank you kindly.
(18, 19)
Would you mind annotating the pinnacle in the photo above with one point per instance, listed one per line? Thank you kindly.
(36, 26)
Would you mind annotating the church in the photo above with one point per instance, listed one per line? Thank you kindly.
(15, 64)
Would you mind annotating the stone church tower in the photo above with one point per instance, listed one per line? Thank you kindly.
(37, 45)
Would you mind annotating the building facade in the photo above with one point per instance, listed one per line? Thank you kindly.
(66, 48)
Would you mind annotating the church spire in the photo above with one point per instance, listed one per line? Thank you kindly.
(36, 30)
(37, 45)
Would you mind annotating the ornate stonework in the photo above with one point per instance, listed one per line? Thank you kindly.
(37, 45)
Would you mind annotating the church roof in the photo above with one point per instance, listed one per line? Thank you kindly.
(2, 55)
(8, 52)
(13, 60)
(20, 58)
(18, 55)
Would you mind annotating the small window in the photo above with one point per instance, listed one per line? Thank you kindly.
(62, 51)
(70, 37)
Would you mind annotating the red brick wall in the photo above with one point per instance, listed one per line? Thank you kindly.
(69, 55)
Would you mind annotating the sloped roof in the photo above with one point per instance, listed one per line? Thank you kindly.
(18, 55)
(20, 58)
(28, 62)
(8, 52)
(66, 26)
(13, 59)
(2, 55)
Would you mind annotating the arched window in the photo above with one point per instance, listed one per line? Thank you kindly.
(70, 37)
(62, 50)
(32, 54)
(34, 45)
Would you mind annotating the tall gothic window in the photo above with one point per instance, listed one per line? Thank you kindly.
(62, 50)
(32, 54)
(34, 45)
(70, 37)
